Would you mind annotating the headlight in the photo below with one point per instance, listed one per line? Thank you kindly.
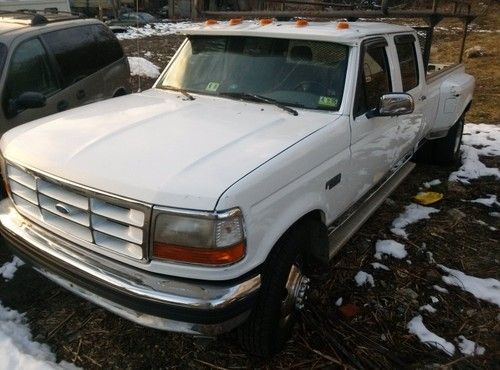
(200, 238)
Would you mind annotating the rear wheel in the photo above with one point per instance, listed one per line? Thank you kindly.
(446, 150)
(282, 295)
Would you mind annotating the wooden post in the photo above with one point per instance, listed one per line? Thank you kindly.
(171, 9)
(195, 9)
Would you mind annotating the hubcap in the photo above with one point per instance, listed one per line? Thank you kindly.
(296, 289)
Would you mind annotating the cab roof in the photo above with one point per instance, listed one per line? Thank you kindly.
(320, 31)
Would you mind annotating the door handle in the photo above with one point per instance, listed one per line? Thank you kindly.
(423, 97)
(62, 105)
(80, 94)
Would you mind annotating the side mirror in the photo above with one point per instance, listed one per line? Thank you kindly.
(31, 99)
(393, 104)
(26, 100)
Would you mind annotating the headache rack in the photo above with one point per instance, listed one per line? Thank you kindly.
(432, 14)
(31, 17)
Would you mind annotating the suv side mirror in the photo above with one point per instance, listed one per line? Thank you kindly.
(31, 99)
(393, 104)
(26, 100)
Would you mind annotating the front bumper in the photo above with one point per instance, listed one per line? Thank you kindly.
(158, 301)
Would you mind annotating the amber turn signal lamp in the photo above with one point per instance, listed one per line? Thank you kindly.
(301, 23)
(342, 25)
(265, 21)
(210, 22)
(235, 21)
(206, 256)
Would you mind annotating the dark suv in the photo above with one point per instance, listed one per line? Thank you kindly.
(50, 63)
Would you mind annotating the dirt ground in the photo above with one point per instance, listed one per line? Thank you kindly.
(372, 335)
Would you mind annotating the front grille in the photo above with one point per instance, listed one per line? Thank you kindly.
(92, 218)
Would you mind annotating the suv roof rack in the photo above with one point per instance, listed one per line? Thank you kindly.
(31, 17)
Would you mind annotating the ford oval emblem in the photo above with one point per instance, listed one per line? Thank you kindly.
(61, 208)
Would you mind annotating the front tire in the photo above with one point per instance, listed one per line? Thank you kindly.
(281, 295)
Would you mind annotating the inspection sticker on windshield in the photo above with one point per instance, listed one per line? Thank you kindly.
(327, 101)
(212, 86)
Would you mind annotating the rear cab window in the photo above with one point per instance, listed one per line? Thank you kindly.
(408, 63)
(82, 51)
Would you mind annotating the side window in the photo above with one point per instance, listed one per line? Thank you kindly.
(375, 79)
(30, 71)
(82, 51)
(407, 64)
(74, 50)
(108, 49)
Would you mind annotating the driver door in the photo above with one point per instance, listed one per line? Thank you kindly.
(29, 70)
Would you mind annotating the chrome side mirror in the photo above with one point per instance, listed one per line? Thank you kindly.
(393, 104)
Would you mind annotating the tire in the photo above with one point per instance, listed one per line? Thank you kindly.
(282, 293)
(444, 151)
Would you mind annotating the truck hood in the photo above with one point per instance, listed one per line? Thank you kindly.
(158, 147)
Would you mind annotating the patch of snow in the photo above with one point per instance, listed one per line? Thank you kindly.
(18, 351)
(377, 265)
(391, 248)
(9, 268)
(468, 347)
(416, 326)
(485, 289)
(482, 223)
(148, 54)
(490, 201)
(155, 29)
(363, 278)
(494, 214)
(434, 299)
(430, 257)
(435, 182)
(408, 262)
(413, 213)
(143, 67)
(428, 308)
(478, 140)
(440, 289)
(339, 301)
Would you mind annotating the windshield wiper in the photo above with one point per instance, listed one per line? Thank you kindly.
(182, 91)
(260, 98)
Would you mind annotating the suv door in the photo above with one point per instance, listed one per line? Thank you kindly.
(79, 62)
(29, 70)
(374, 141)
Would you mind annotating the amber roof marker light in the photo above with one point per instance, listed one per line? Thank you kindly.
(235, 21)
(265, 21)
(342, 25)
(301, 23)
(210, 22)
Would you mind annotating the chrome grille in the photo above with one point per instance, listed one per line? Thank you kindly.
(95, 219)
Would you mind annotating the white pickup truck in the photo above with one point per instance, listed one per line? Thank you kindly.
(197, 206)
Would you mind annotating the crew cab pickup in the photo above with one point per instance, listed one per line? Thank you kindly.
(198, 206)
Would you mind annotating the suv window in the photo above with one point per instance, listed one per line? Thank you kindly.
(407, 64)
(375, 79)
(82, 51)
(30, 71)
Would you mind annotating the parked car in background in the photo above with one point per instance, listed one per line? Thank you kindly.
(134, 19)
(54, 62)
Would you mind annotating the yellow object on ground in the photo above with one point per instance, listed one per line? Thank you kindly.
(428, 197)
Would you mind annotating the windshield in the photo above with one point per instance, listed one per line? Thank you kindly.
(300, 73)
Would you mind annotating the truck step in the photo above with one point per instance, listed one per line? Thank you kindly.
(341, 234)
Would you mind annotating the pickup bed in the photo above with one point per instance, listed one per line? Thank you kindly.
(199, 205)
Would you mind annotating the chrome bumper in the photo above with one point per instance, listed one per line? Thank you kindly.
(158, 301)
